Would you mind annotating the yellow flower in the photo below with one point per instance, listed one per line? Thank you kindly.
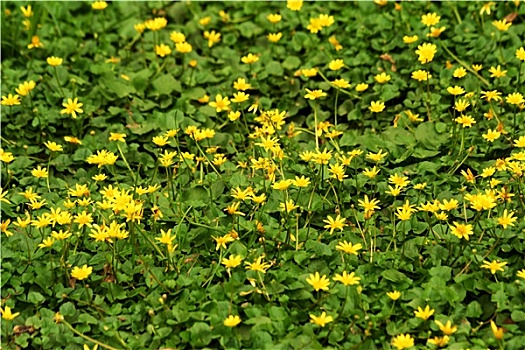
(403, 341)
(349, 248)
(258, 265)
(491, 135)
(502, 25)
(424, 313)
(321, 320)
(494, 266)
(333, 224)
(421, 75)
(81, 273)
(497, 72)
(274, 37)
(314, 94)
(99, 5)
(336, 64)
(520, 54)
(232, 321)
(515, 98)
(448, 329)
(497, 332)
(301, 181)
(521, 274)
(507, 219)
(341, 83)
(382, 78)
(162, 50)
(177, 37)
(410, 39)
(47, 243)
(288, 206)
(240, 97)
(205, 21)
(376, 157)
(25, 88)
(318, 282)
(294, 5)
(10, 100)
(394, 295)
(456, 90)
(347, 279)
(140, 27)
(232, 261)
(459, 72)
(361, 87)
(183, 47)
(212, 37)
(114, 136)
(39, 172)
(35, 43)
(156, 24)
(426, 52)
(439, 341)
(486, 8)
(430, 19)
(465, 120)
(26, 11)
(53, 146)
(376, 106)
(7, 314)
(249, 59)
(241, 85)
(220, 103)
(222, 241)
(274, 18)
(436, 32)
(72, 107)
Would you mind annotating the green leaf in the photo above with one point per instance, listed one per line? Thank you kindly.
(166, 84)
(201, 334)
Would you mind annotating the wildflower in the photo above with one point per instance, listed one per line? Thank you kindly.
(497, 72)
(310, 72)
(371, 172)
(521, 274)
(233, 116)
(336, 64)
(347, 279)
(361, 87)
(60, 235)
(294, 5)
(274, 18)
(258, 265)
(240, 97)
(520, 142)
(321, 320)
(403, 341)
(39, 172)
(47, 243)
(233, 209)
(183, 47)
(430, 19)
(72, 139)
(394, 295)
(376, 157)
(115, 136)
(436, 32)
(35, 43)
(288, 206)
(27, 11)
(99, 5)
(426, 52)
(162, 50)
(448, 329)
(25, 88)
(232, 261)
(439, 341)
(241, 84)
(166, 237)
(140, 27)
(341, 83)
(461, 105)
(282, 185)
(314, 94)
(249, 59)
(220, 104)
(376, 106)
(10, 100)
(459, 72)
(177, 37)
(274, 37)
(156, 24)
(72, 107)
(410, 39)
(382, 78)
(486, 8)
(424, 313)
(81, 273)
(333, 40)
(491, 135)
(507, 219)
(4, 227)
(502, 25)
(53, 146)
(333, 224)
(456, 90)
(232, 321)
(349, 248)
(318, 282)
(301, 181)
(83, 219)
(7, 314)
(465, 120)
(494, 266)
(421, 75)
(515, 98)
(520, 54)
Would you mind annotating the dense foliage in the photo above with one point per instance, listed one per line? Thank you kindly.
(265, 175)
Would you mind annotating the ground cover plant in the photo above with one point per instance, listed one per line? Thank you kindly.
(265, 175)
